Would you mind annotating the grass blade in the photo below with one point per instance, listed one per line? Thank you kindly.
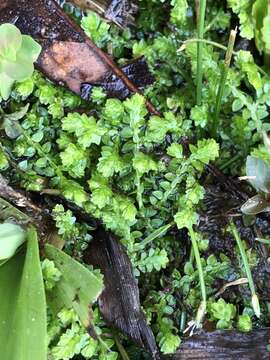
(254, 297)
(199, 76)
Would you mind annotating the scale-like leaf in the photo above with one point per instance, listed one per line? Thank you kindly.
(23, 333)
(77, 288)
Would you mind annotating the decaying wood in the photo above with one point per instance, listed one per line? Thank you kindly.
(37, 214)
(119, 302)
(225, 345)
(137, 71)
(121, 12)
(68, 57)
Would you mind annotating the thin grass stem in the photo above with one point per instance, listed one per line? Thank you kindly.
(221, 88)
(122, 351)
(199, 76)
(202, 308)
(254, 296)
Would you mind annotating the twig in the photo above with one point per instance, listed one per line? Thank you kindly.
(232, 283)
(18, 198)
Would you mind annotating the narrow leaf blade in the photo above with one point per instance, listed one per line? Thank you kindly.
(77, 288)
(23, 305)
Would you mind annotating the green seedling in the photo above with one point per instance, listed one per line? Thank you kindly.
(17, 55)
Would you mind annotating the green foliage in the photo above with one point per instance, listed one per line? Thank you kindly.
(50, 274)
(143, 176)
(18, 53)
(143, 163)
(74, 160)
(4, 164)
(64, 221)
(244, 323)
(110, 161)
(23, 306)
(261, 16)
(68, 338)
(243, 9)
(11, 238)
(223, 312)
(155, 259)
(162, 307)
(95, 28)
(77, 287)
(86, 129)
(10, 122)
(178, 12)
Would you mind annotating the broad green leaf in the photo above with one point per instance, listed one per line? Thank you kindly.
(30, 49)
(10, 41)
(20, 69)
(23, 334)
(77, 288)
(259, 173)
(5, 85)
(11, 237)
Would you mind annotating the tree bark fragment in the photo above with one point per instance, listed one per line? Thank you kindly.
(68, 57)
(225, 345)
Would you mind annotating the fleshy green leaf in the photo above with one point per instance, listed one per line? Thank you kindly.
(23, 334)
(10, 41)
(77, 288)
(19, 70)
(11, 237)
(259, 173)
(30, 49)
(5, 85)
